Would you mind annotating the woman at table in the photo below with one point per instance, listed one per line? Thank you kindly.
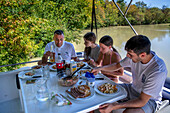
(92, 49)
(108, 55)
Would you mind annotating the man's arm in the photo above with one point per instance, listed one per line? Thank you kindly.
(45, 58)
(136, 103)
(109, 68)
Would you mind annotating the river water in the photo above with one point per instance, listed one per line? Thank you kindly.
(159, 36)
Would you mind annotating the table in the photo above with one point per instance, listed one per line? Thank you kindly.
(32, 105)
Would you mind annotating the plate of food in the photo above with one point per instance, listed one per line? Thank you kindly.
(28, 75)
(53, 67)
(106, 88)
(82, 73)
(80, 92)
(69, 82)
(37, 69)
(79, 64)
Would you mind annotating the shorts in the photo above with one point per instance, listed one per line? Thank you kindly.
(150, 107)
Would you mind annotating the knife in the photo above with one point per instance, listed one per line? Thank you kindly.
(36, 76)
(84, 78)
(99, 78)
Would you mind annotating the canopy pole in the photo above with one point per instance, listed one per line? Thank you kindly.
(93, 16)
(124, 15)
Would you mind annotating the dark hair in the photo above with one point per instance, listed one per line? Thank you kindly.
(87, 50)
(90, 36)
(108, 41)
(138, 44)
(58, 32)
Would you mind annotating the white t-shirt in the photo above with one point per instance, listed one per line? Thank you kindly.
(148, 78)
(67, 50)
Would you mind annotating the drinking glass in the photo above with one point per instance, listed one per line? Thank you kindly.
(42, 92)
(46, 71)
(52, 57)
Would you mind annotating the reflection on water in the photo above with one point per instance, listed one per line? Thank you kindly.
(158, 34)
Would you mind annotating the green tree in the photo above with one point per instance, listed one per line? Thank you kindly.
(166, 17)
(27, 26)
(157, 15)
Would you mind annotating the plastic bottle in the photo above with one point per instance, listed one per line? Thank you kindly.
(59, 58)
(73, 66)
(67, 68)
(59, 65)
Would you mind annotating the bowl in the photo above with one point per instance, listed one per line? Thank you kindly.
(69, 82)
(37, 69)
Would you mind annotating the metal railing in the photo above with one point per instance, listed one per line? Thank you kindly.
(79, 55)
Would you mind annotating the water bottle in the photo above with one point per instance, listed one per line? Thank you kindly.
(59, 65)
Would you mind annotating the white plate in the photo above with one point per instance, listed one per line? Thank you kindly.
(105, 94)
(52, 68)
(92, 94)
(23, 76)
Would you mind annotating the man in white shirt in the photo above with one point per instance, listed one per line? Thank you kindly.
(60, 46)
(148, 72)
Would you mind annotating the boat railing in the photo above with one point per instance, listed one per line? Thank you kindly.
(79, 55)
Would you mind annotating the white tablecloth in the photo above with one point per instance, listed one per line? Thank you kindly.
(32, 105)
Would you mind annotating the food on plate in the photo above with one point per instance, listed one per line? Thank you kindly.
(29, 74)
(37, 67)
(79, 64)
(84, 71)
(54, 67)
(30, 81)
(80, 91)
(52, 60)
(69, 82)
(107, 88)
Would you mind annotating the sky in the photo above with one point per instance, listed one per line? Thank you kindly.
(153, 3)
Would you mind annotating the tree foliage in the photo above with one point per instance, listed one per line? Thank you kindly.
(28, 25)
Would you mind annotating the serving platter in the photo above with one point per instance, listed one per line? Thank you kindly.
(23, 75)
(81, 99)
